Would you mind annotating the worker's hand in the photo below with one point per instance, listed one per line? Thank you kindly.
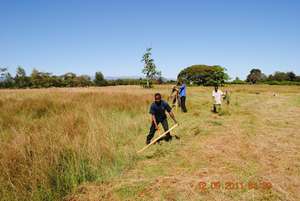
(157, 128)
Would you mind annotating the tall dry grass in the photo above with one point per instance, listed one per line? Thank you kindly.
(54, 139)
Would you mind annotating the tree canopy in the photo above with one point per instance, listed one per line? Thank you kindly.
(204, 75)
(99, 79)
(255, 76)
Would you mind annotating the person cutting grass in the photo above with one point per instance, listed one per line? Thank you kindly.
(158, 111)
(174, 96)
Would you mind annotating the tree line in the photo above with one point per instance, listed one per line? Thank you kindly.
(39, 79)
(256, 76)
(193, 75)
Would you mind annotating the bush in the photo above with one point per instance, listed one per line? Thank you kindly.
(238, 82)
(282, 83)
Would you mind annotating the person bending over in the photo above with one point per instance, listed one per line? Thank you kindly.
(158, 111)
(174, 96)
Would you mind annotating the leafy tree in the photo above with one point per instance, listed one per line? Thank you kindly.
(83, 81)
(34, 78)
(291, 76)
(99, 79)
(161, 80)
(9, 81)
(6, 80)
(41, 79)
(297, 79)
(21, 80)
(69, 79)
(149, 69)
(203, 75)
(2, 73)
(55, 81)
(278, 76)
(255, 76)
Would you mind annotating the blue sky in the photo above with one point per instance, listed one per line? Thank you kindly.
(84, 36)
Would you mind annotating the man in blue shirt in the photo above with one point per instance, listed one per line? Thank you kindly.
(182, 95)
(158, 111)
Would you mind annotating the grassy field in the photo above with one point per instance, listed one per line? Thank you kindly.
(80, 144)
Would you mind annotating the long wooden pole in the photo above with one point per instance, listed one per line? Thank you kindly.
(155, 140)
(176, 102)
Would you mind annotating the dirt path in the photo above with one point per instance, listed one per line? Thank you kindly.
(250, 152)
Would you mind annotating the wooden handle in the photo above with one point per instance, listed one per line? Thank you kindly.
(155, 140)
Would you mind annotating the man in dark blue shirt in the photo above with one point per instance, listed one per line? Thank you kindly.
(158, 111)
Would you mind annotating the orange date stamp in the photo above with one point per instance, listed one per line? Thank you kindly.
(231, 185)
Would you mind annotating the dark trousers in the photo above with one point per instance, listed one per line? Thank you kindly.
(216, 108)
(182, 104)
(152, 131)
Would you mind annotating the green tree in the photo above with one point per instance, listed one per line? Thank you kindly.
(83, 81)
(291, 76)
(203, 75)
(6, 80)
(35, 78)
(21, 80)
(255, 76)
(279, 76)
(2, 73)
(41, 79)
(149, 69)
(69, 79)
(99, 79)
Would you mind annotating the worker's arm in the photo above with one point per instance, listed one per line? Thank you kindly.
(155, 122)
(222, 94)
(173, 117)
(175, 89)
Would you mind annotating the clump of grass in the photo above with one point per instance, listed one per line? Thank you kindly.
(70, 171)
(215, 123)
(224, 113)
(53, 142)
(126, 192)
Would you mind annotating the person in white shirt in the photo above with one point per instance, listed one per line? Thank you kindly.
(217, 96)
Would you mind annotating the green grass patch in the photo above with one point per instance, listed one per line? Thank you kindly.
(131, 192)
